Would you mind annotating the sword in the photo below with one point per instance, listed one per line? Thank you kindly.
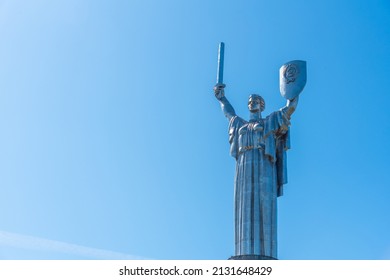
(221, 51)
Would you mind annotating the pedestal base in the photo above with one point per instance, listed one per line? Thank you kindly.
(251, 257)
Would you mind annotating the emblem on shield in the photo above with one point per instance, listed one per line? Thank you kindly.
(292, 76)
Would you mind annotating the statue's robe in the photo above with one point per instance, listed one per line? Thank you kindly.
(259, 147)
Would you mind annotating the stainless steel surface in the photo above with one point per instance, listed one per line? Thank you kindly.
(221, 52)
(259, 147)
(292, 77)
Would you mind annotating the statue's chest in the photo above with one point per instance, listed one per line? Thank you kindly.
(251, 134)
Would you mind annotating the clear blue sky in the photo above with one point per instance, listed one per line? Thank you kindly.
(111, 137)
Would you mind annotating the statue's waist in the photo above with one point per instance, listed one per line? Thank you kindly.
(243, 149)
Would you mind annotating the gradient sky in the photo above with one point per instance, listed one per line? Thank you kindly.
(112, 140)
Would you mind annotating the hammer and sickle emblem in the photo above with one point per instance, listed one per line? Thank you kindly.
(290, 73)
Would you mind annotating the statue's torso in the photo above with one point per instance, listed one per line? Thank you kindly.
(251, 136)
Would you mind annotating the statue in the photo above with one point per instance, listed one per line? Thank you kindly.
(259, 147)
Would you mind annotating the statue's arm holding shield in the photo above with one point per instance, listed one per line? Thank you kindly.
(287, 111)
(290, 107)
(292, 82)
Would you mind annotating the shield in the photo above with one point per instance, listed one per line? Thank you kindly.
(292, 78)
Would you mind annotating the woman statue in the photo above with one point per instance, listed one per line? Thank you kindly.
(259, 147)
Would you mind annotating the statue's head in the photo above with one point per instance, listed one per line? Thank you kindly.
(256, 103)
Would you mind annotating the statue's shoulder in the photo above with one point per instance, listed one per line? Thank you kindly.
(276, 115)
(237, 121)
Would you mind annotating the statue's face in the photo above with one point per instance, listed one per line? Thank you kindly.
(255, 105)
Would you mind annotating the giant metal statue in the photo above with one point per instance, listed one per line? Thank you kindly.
(259, 147)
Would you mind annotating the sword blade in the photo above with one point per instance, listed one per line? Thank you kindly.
(221, 52)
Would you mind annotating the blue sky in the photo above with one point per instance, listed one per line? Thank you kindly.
(112, 139)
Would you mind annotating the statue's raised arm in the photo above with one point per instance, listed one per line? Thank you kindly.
(287, 111)
(227, 108)
(290, 107)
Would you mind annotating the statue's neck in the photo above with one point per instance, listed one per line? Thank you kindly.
(255, 116)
